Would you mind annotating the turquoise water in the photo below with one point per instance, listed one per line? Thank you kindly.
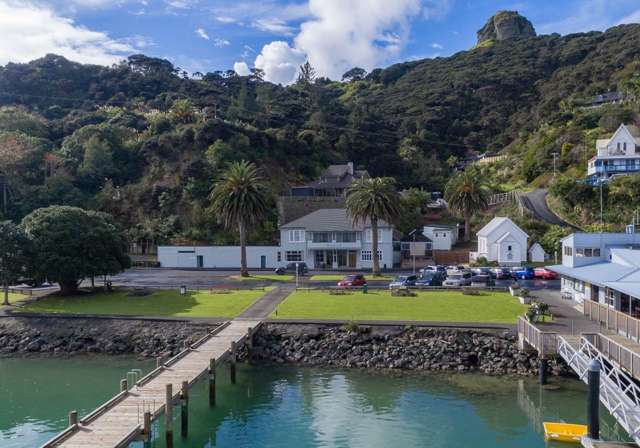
(284, 406)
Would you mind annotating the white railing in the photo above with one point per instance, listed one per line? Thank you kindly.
(614, 320)
(545, 342)
(500, 198)
(618, 392)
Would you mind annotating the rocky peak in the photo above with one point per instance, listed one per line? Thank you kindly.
(506, 25)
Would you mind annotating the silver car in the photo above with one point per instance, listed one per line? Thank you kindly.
(458, 279)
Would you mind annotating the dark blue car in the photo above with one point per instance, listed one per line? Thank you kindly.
(523, 273)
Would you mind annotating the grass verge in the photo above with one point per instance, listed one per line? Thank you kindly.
(444, 306)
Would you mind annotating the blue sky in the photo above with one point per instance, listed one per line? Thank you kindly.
(277, 35)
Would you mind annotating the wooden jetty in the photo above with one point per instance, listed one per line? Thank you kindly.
(128, 415)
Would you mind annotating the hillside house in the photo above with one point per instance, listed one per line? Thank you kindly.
(333, 181)
(616, 156)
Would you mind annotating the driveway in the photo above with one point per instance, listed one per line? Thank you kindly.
(536, 202)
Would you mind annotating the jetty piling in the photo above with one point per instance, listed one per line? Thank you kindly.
(184, 409)
(168, 416)
(212, 382)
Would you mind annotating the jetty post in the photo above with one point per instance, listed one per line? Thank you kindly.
(593, 400)
(184, 409)
(168, 416)
(146, 426)
(232, 362)
(73, 418)
(249, 343)
(542, 370)
(212, 382)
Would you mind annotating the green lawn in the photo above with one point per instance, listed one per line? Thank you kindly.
(338, 277)
(13, 298)
(264, 278)
(160, 303)
(446, 306)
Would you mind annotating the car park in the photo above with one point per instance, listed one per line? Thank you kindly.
(458, 279)
(502, 273)
(403, 281)
(523, 273)
(482, 281)
(483, 271)
(290, 268)
(545, 274)
(352, 280)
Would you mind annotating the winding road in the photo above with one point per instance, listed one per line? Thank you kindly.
(536, 202)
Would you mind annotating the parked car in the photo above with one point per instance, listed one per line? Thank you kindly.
(353, 280)
(430, 278)
(544, 274)
(290, 268)
(403, 281)
(502, 273)
(483, 271)
(523, 273)
(458, 279)
(482, 281)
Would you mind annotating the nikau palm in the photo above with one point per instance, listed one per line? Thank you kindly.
(239, 200)
(373, 199)
(466, 195)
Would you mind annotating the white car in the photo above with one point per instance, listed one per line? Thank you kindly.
(458, 279)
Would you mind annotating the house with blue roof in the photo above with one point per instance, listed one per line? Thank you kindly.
(602, 267)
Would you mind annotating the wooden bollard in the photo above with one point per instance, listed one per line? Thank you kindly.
(146, 428)
(158, 362)
(168, 416)
(232, 362)
(124, 385)
(73, 418)
(212, 382)
(184, 409)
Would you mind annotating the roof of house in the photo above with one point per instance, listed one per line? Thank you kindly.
(633, 130)
(496, 222)
(607, 96)
(536, 246)
(623, 277)
(330, 220)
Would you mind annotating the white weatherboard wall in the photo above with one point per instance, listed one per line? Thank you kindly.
(217, 256)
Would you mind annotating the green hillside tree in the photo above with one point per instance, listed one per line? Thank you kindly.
(467, 195)
(373, 200)
(239, 200)
(13, 247)
(71, 244)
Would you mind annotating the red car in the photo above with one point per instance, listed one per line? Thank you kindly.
(353, 280)
(544, 274)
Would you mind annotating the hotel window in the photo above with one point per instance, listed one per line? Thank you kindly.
(568, 251)
(610, 298)
(578, 286)
(321, 237)
(369, 235)
(294, 255)
(367, 255)
(296, 236)
(346, 237)
(588, 252)
(579, 252)
(596, 251)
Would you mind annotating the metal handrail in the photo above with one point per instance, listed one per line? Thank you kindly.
(618, 392)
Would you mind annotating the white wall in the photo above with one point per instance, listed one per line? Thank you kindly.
(216, 256)
(594, 240)
(536, 254)
(443, 239)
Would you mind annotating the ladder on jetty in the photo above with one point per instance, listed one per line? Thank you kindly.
(619, 392)
(118, 422)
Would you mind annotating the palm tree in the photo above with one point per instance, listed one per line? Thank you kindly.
(467, 194)
(373, 199)
(240, 199)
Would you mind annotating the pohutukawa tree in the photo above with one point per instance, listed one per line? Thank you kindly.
(239, 200)
(373, 199)
(13, 248)
(71, 244)
(467, 195)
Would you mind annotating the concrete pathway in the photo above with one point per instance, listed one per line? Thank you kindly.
(266, 304)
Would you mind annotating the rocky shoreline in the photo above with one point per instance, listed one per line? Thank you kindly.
(492, 352)
(73, 336)
(427, 349)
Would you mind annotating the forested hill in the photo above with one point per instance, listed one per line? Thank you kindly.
(143, 141)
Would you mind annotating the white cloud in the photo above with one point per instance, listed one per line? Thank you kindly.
(202, 33)
(437, 46)
(634, 17)
(28, 32)
(225, 19)
(218, 42)
(341, 34)
(280, 62)
(273, 26)
(437, 9)
(241, 68)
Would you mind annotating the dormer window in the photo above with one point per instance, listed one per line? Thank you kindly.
(618, 146)
(624, 146)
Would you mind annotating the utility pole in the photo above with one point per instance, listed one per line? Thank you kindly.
(554, 154)
(3, 179)
(601, 220)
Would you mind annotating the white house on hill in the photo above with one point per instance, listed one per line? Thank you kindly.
(503, 241)
(617, 156)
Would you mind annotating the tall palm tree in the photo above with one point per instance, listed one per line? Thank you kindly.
(467, 194)
(373, 199)
(240, 199)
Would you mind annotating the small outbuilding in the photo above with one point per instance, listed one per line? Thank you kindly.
(537, 253)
